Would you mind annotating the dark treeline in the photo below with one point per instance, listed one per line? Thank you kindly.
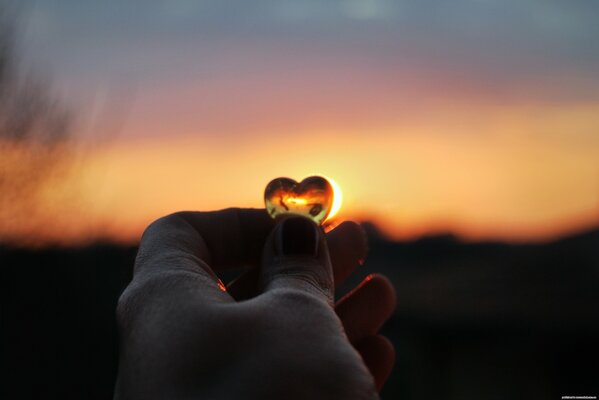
(474, 320)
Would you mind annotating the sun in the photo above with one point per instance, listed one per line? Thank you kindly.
(337, 198)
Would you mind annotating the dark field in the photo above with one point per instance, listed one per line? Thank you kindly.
(473, 321)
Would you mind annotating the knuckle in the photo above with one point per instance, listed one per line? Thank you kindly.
(311, 280)
(307, 275)
(126, 307)
(297, 299)
(135, 304)
(161, 224)
(166, 238)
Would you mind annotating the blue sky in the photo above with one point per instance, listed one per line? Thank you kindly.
(499, 45)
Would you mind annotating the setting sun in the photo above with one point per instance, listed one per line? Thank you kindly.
(337, 198)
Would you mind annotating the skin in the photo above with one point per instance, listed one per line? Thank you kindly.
(274, 333)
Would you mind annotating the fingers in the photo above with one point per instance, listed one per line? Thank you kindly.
(220, 238)
(233, 237)
(347, 249)
(364, 310)
(186, 246)
(379, 356)
(296, 257)
(171, 254)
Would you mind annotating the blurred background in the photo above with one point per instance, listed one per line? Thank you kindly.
(464, 135)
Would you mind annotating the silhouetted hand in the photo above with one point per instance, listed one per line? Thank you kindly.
(272, 334)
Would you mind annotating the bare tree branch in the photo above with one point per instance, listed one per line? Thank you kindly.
(35, 129)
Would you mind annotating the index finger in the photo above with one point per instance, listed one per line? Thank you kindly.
(221, 239)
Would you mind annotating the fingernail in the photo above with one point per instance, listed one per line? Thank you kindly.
(297, 236)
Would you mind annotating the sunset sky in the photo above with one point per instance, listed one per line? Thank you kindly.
(479, 117)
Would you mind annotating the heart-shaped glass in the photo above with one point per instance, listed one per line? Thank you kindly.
(311, 198)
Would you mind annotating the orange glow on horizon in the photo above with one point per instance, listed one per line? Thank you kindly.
(526, 173)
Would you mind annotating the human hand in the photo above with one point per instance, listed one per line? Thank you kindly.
(183, 335)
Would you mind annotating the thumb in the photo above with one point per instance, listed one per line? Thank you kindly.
(296, 257)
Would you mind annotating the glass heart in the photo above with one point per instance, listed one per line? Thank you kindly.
(312, 198)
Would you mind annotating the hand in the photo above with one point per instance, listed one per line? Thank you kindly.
(274, 333)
